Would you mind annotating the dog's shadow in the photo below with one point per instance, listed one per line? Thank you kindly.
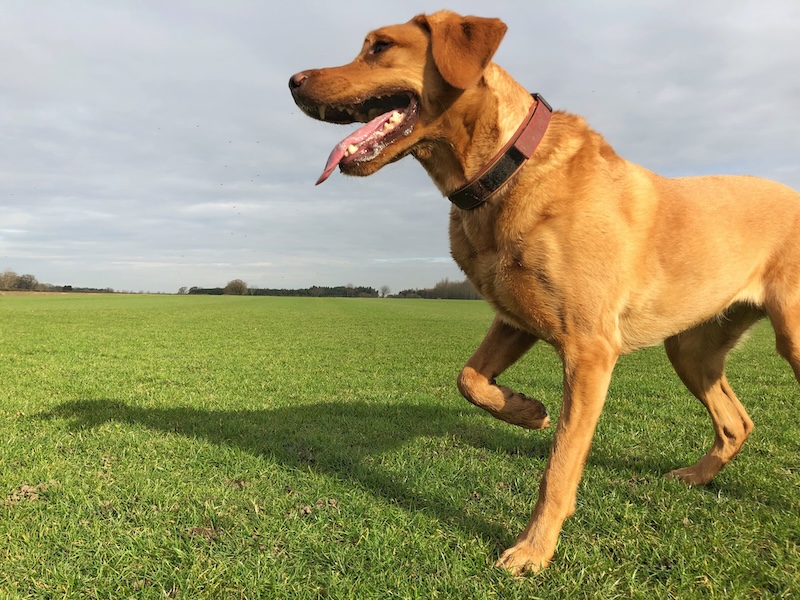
(339, 439)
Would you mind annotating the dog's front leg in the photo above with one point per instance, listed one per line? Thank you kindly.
(501, 347)
(587, 373)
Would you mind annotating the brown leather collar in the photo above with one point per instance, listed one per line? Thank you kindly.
(508, 161)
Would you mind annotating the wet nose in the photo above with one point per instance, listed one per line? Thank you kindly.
(296, 80)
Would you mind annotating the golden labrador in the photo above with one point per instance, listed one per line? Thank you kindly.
(570, 243)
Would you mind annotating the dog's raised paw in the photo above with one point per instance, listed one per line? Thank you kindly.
(536, 414)
(524, 411)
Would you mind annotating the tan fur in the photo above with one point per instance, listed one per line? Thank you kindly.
(583, 249)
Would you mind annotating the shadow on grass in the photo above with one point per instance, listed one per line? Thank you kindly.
(336, 439)
(345, 440)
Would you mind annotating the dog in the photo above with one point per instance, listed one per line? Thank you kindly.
(570, 243)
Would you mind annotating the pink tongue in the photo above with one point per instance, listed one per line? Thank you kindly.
(355, 138)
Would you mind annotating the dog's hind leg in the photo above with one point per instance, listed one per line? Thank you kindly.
(698, 356)
(502, 346)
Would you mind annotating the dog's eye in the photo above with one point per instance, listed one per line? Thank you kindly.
(379, 47)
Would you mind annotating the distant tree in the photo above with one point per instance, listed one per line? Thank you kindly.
(8, 280)
(461, 290)
(183, 290)
(27, 282)
(235, 287)
(385, 291)
(444, 288)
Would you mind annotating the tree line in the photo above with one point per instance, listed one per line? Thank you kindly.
(444, 289)
(455, 290)
(10, 281)
(237, 287)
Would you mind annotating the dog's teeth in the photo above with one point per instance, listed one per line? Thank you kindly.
(351, 149)
(321, 113)
(395, 118)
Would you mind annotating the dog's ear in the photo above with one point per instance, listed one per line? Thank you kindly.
(462, 46)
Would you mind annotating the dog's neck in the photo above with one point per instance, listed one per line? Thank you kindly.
(483, 124)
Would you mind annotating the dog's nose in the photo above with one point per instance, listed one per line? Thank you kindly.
(296, 80)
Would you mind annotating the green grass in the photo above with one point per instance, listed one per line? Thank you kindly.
(224, 447)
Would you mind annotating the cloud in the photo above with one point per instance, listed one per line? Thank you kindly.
(151, 145)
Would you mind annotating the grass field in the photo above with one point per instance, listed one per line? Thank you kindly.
(237, 447)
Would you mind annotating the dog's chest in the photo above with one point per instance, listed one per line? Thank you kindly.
(513, 274)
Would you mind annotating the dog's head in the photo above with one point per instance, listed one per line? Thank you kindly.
(401, 85)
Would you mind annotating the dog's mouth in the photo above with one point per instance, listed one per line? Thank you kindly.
(388, 118)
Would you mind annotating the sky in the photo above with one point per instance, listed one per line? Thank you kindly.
(152, 144)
